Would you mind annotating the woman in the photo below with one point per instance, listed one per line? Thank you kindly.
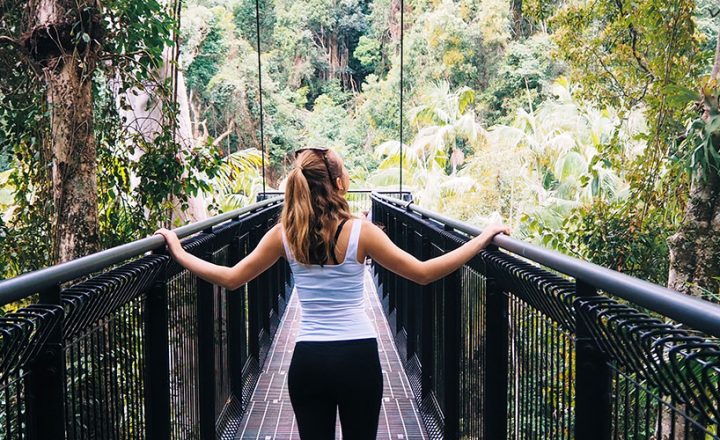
(335, 365)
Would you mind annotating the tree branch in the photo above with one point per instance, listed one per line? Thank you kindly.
(4, 39)
(222, 136)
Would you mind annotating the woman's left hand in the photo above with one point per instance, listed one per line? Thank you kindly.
(172, 240)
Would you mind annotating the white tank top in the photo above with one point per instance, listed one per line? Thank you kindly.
(332, 297)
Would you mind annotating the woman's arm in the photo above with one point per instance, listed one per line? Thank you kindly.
(381, 249)
(265, 254)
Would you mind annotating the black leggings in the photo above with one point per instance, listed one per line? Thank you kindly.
(329, 376)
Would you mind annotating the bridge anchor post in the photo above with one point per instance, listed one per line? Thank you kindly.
(593, 388)
(496, 360)
(46, 383)
(157, 358)
(206, 352)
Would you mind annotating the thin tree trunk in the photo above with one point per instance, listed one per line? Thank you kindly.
(716, 68)
(517, 18)
(695, 248)
(67, 71)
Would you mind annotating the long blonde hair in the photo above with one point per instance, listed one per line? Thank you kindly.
(313, 205)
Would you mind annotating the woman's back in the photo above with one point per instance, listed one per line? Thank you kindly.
(332, 296)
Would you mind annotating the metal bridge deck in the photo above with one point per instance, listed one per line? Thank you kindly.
(270, 415)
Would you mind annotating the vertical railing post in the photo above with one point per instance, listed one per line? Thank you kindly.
(401, 297)
(157, 358)
(253, 298)
(264, 280)
(593, 403)
(275, 288)
(426, 325)
(235, 325)
(452, 289)
(46, 384)
(414, 300)
(386, 274)
(206, 352)
(393, 284)
(496, 359)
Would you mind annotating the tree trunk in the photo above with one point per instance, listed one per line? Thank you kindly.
(517, 18)
(695, 248)
(716, 68)
(394, 21)
(68, 68)
(74, 162)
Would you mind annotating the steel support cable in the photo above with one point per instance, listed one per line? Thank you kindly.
(174, 65)
(402, 34)
(262, 126)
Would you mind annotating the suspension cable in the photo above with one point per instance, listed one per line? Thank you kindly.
(402, 14)
(262, 127)
(174, 70)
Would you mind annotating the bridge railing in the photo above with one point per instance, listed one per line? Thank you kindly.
(141, 348)
(526, 343)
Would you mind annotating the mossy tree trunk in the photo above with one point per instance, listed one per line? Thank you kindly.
(695, 248)
(63, 39)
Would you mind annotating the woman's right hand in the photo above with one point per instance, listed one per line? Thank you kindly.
(494, 230)
(172, 241)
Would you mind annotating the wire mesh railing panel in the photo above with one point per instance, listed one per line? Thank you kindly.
(13, 417)
(540, 375)
(106, 369)
(438, 328)
(104, 351)
(641, 411)
(665, 380)
(183, 351)
(472, 353)
(537, 354)
(540, 389)
(145, 349)
(183, 338)
(23, 336)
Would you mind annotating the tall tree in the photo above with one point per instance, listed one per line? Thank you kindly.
(653, 64)
(63, 37)
(695, 248)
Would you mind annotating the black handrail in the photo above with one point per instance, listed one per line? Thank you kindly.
(695, 312)
(17, 288)
(142, 348)
(521, 342)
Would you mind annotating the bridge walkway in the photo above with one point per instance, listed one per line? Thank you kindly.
(270, 415)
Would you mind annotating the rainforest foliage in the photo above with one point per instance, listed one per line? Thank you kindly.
(589, 127)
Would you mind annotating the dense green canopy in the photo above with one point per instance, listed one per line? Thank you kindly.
(589, 127)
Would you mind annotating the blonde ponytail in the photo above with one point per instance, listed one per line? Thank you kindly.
(312, 207)
(297, 214)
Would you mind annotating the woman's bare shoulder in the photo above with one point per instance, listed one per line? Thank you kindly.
(369, 230)
(275, 233)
